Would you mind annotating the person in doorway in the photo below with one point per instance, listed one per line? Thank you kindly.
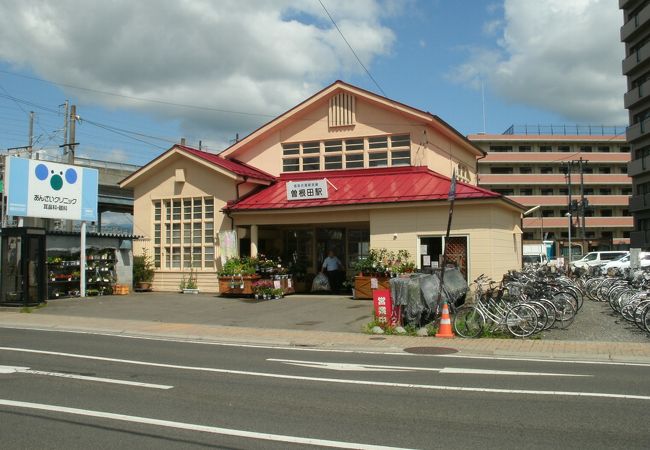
(333, 268)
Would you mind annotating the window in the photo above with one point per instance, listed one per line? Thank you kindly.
(333, 146)
(625, 212)
(527, 236)
(546, 191)
(403, 140)
(181, 240)
(333, 162)
(590, 234)
(378, 142)
(525, 148)
(501, 170)
(604, 170)
(624, 149)
(548, 213)
(546, 170)
(525, 170)
(500, 148)
(354, 161)
(526, 191)
(585, 148)
(605, 191)
(589, 191)
(311, 163)
(401, 158)
(504, 191)
(603, 148)
(563, 191)
(563, 148)
(353, 145)
(290, 149)
(545, 148)
(587, 170)
(626, 191)
(605, 213)
(379, 159)
(309, 148)
(291, 164)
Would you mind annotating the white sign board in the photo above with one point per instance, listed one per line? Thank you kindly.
(37, 188)
(306, 190)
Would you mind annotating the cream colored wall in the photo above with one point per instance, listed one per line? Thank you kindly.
(200, 181)
(431, 148)
(493, 247)
(302, 218)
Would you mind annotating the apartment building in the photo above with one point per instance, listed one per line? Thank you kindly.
(635, 33)
(530, 165)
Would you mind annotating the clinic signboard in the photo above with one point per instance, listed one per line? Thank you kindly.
(37, 188)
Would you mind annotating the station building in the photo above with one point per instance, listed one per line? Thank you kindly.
(345, 170)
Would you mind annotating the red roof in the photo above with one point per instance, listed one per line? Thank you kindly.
(363, 186)
(229, 164)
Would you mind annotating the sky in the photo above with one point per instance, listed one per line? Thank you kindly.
(144, 74)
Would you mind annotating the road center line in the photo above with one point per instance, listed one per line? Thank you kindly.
(193, 427)
(339, 380)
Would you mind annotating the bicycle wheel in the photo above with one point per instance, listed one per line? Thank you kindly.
(565, 312)
(468, 322)
(522, 320)
(550, 312)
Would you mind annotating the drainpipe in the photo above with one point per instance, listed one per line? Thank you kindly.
(477, 160)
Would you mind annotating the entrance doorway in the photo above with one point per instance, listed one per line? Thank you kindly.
(330, 239)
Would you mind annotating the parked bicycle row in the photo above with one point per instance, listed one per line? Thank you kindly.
(523, 303)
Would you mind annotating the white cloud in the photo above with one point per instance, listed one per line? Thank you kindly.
(559, 55)
(256, 56)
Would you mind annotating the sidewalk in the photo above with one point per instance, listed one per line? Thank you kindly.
(185, 319)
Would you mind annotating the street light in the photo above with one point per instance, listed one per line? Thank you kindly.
(541, 228)
(569, 216)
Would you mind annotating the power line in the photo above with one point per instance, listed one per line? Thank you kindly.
(352, 50)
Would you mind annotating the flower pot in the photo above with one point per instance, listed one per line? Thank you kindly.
(190, 291)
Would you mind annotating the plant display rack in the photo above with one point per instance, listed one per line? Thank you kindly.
(64, 273)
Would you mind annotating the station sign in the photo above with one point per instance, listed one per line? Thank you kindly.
(307, 190)
(38, 188)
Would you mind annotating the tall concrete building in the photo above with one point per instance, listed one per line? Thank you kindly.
(530, 164)
(635, 33)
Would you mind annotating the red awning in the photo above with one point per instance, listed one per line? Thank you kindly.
(363, 186)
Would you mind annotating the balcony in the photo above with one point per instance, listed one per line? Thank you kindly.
(590, 222)
(624, 3)
(493, 179)
(638, 166)
(634, 97)
(636, 60)
(638, 130)
(639, 202)
(639, 239)
(552, 157)
(561, 200)
(630, 29)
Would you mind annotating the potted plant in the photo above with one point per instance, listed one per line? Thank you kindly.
(143, 272)
(189, 285)
(374, 271)
(237, 276)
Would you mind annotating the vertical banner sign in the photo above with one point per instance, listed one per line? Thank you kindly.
(383, 305)
(37, 188)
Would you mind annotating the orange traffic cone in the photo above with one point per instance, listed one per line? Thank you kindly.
(445, 324)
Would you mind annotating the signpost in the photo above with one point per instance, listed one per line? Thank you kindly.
(44, 189)
(307, 190)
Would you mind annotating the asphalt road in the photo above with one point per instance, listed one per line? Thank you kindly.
(73, 391)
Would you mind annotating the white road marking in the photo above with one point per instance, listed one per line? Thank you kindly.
(339, 380)
(194, 427)
(549, 360)
(4, 370)
(380, 368)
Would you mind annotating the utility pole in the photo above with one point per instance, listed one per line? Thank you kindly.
(569, 168)
(31, 133)
(65, 124)
(73, 120)
(583, 202)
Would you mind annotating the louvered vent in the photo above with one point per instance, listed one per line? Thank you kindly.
(341, 112)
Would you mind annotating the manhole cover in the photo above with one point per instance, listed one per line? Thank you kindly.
(430, 350)
(377, 338)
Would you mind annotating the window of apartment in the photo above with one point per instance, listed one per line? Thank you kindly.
(624, 149)
(525, 148)
(548, 213)
(626, 191)
(184, 239)
(527, 236)
(589, 191)
(626, 234)
(605, 191)
(625, 212)
(606, 213)
(500, 148)
(546, 169)
(563, 212)
(604, 170)
(589, 212)
(642, 152)
(564, 234)
(501, 170)
(563, 191)
(606, 234)
(525, 169)
(526, 191)
(623, 169)
(590, 234)
(603, 148)
(546, 191)
(550, 235)
(585, 148)
(545, 148)
(587, 170)
(563, 148)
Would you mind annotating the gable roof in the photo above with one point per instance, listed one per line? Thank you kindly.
(230, 167)
(338, 86)
(365, 186)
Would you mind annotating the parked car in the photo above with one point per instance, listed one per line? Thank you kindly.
(624, 261)
(538, 259)
(593, 259)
